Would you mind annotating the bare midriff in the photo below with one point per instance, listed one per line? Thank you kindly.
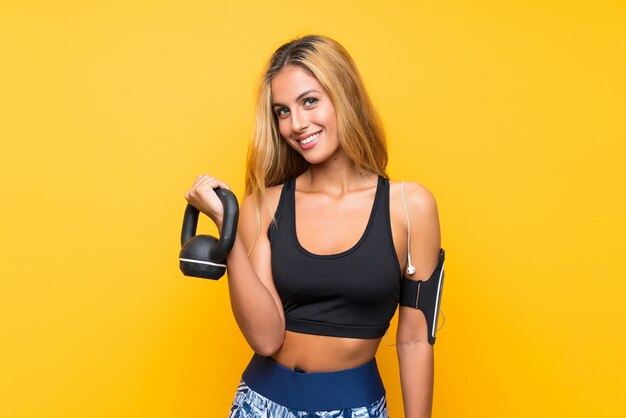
(320, 353)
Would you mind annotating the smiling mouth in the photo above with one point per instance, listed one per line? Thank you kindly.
(310, 138)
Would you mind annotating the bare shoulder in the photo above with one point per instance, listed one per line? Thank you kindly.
(248, 211)
(273, 195)
(422, 216)
(420, 201)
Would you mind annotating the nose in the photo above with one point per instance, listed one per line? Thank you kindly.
(299, 121)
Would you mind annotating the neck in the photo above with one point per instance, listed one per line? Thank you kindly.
(336, 176)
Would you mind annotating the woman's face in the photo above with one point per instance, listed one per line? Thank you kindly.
(305, 114)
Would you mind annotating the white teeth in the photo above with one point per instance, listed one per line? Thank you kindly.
(309, 139)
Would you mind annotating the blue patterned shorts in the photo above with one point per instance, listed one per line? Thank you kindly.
(270, 390)
(249, 404)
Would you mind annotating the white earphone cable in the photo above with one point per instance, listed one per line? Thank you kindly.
(408, 221)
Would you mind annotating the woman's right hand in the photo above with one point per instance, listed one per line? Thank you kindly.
(203, 197)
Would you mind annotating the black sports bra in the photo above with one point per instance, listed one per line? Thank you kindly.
(354, 293)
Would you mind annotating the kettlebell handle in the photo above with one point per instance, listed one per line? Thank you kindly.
(229, 224)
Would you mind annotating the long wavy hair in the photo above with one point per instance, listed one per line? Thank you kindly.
(270, 159)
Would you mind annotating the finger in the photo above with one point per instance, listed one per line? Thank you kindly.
(207, 183)
(222, 185)
(216, 184)
(201, 178)
(213, 182)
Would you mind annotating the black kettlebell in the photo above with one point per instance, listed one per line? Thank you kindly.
(203, 255)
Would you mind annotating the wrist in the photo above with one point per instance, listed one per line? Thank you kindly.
(219, 223)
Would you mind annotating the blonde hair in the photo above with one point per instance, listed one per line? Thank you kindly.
(271, 160)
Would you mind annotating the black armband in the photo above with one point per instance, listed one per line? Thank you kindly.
(425, 295)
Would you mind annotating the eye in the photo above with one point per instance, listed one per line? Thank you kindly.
(310, 101)
(281, 112)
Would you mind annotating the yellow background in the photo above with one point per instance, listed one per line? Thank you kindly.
(512, 113)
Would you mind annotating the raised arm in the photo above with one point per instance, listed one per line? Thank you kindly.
(254, 300)
(253, 297)
(415, 354)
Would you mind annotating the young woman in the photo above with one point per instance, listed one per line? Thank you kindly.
(314, 274)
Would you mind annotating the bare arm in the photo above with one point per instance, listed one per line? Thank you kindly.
(254, 299)
(415, 354)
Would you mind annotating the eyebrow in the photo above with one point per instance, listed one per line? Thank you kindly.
(274, 104)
